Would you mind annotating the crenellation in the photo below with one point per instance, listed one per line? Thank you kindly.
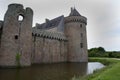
(79, 19)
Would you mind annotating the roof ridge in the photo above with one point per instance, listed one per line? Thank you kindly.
(50, 23)
(60, 26)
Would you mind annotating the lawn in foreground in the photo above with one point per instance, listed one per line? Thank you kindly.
(110, 72)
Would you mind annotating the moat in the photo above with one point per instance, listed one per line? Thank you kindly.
(58, 71)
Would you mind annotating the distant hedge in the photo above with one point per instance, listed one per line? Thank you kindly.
(100, 52)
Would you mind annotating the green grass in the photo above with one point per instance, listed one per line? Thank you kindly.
(110, 72)
(105, 61)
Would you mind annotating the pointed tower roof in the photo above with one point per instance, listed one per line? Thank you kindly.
(74, 12)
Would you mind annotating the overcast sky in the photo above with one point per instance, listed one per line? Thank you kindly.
(103, 28)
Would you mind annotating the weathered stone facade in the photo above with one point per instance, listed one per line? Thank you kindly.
(62, 39)
(57, 50)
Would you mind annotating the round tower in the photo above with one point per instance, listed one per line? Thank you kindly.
(75, 31)
(16, 40)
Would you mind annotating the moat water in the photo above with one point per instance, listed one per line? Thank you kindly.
(60, 71)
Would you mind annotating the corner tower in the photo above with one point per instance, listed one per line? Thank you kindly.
(16, 40)
(75, 31)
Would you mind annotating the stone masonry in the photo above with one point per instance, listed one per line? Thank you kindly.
(62, 39)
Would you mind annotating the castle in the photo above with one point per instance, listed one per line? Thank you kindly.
(62, 39)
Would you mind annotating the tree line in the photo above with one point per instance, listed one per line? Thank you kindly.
(101, 52)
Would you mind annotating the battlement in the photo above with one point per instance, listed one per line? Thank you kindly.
(81, 19)
(50, 35)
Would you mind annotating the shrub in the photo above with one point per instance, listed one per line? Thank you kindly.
(18, 56)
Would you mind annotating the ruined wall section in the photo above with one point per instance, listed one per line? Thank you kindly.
(16, 36)
(1, 25)
(49, 50)
(26, 37)
(75, 31)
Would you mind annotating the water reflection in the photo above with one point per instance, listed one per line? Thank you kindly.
(61, 71)
(92, 66)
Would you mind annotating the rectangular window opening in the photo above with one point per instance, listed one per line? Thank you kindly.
(16, 37)
(81, 45)
(81, 34)
(81, 25)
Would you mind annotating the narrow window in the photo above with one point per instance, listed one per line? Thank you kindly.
(20, 18)
(81, 25)
(81, 34)
(16, 36)
(81, 45)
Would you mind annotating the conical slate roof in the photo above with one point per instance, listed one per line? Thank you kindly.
(74, 12)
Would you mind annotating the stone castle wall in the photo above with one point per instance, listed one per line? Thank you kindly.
(47, 50)
(48, 47)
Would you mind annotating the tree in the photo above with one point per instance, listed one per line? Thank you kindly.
(96, 52)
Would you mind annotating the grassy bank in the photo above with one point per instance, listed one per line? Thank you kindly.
(110, 72)
(106, 61)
